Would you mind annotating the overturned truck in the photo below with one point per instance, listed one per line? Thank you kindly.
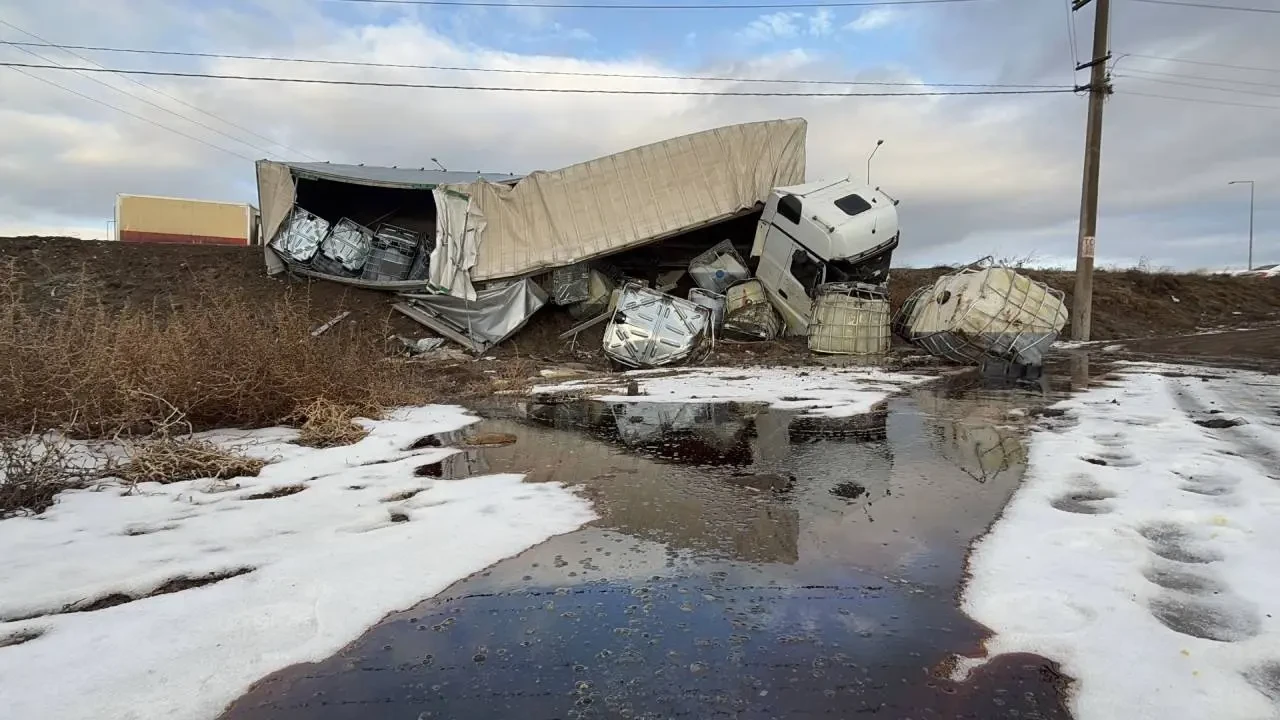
(641, 212)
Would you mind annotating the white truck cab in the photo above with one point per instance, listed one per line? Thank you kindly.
(821, 232)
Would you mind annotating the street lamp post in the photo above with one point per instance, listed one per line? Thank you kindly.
(873, 154)
(1250, 184)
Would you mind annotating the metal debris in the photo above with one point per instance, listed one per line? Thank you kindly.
(478, 324)
(651, 328)
(571, 284)
(748, 315)
(392, 254)
(300, 236)
(334, 321)
(348, 244)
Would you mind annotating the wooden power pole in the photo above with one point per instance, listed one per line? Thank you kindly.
(1099, 87)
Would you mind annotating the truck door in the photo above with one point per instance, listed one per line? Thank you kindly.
(788, 272)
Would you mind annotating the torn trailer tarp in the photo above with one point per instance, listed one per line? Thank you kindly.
(617, 202)
(479, 324)
(278, 194)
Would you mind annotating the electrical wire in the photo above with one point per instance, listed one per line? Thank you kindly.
(1204, 101)
(1203, 62)
(522, 71)
(633, 6)
(1071, 37)
(1199, 85)
(81, 72)
(580, 91)
(1202, 77)
(45, 43)
(132, 115)
(1233, 8)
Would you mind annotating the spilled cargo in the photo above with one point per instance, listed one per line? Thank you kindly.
(984, 313)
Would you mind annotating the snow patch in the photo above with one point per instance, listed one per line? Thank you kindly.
(363, 537)
(1140, 551)
(836, 392)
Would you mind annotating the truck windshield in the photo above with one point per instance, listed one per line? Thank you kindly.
(853, 204)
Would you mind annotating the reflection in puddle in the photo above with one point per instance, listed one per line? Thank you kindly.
(748, 562)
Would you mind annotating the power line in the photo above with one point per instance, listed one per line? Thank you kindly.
(1202, 86)
(1233, 8)
(1071, 38)
(624, 6)
(522, 71)
(45, 43)
(580, 91)
(81, 72)
(1204, 101)
(133, 115)
(1202, 77)
(1203, 62)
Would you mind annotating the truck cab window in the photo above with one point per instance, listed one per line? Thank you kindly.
(806, 269)
(789, 208)
(852, 204)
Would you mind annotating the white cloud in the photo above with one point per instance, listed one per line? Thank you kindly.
(772, 26)
(785, 25)
(873, 19)
(820, 23)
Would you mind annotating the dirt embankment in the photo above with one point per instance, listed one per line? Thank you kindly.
(1127, 304)
(1133, 304)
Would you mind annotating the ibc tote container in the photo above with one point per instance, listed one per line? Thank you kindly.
(850, 319)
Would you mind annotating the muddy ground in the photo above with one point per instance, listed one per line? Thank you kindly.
(1128, 304)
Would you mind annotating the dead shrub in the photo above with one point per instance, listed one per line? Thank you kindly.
(167, 460)
(35, 468)
(324, 423)
(217, 359)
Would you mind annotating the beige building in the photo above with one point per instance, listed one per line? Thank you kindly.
(152, 219)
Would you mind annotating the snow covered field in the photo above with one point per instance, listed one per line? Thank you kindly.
(828, 392)
(315, 550)
(1142, 552)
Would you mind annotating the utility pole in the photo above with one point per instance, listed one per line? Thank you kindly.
(1099, 87)
(1250, 184)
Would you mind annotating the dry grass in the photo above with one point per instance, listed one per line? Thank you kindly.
(35, 468)
(328, 424)
(216, 360)
(166, 460)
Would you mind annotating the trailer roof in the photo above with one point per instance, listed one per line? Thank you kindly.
(394, 177)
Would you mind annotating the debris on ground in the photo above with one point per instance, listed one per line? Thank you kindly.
(748, 314)
(419, 346)
(651, 328)
(984, 311)
(474, 257)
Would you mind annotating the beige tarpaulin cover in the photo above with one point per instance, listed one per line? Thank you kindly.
(550, 219)
(276, 191)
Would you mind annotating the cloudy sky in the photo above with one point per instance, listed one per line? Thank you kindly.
(976, 175)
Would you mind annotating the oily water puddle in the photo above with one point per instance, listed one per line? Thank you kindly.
(747, 563)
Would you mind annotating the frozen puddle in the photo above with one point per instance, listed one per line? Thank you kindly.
(827, 392)
(172, 601)
(1141, 551)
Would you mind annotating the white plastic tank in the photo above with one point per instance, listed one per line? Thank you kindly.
(713, 302)
(850, 319)
(993, 312)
